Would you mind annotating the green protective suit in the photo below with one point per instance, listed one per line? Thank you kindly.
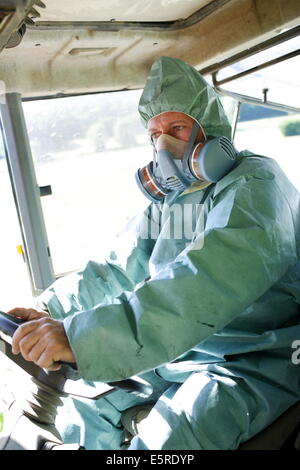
(209, 315)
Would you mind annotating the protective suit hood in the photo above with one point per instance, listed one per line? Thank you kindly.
(174, 85)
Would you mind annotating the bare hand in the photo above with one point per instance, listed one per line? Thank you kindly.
(42, 341)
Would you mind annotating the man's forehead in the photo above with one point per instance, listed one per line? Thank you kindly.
(169, 118)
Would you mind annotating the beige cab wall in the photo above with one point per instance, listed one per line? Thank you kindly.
(50, 62)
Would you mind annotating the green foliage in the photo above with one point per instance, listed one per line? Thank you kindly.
(127, 128)
(100, 132)
(1, 422)
(252, 112)
(291, 127)
(106, 120)
(57, 125)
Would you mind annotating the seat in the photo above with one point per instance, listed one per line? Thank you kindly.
(284, 433)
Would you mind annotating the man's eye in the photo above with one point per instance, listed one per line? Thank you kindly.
(154, 136)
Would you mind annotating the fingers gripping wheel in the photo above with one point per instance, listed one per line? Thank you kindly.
(58, 379)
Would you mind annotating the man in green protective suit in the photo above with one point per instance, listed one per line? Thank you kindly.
(208, 319)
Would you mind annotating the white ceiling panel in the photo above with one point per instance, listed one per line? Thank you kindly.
(119, 10)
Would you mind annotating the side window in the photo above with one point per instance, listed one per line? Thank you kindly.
(271, 133)
(87, 148)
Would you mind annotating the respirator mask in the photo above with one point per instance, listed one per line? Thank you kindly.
(177, 164)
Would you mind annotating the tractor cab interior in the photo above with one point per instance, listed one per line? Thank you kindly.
(71, 74)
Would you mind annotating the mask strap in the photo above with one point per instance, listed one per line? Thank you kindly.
(154, 158)
(188, 151)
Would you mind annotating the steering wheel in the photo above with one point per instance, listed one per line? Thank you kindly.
(58, 379)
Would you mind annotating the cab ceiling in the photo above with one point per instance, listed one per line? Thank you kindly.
(98, 45)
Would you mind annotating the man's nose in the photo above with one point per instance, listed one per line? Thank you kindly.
(154, 140)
